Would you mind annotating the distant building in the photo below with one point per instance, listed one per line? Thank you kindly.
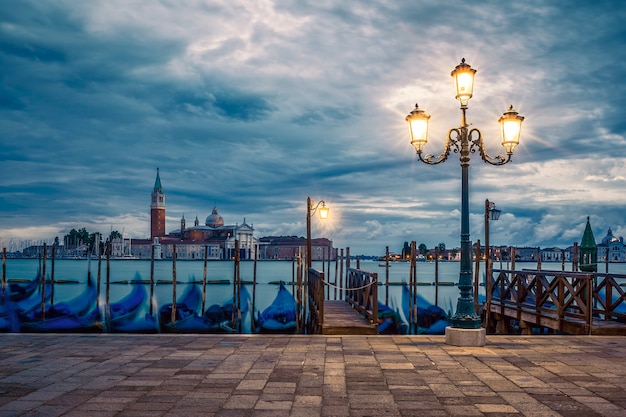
(214, 236)
(288, 248)
(615, 247)
(555, 255)
(527, 254)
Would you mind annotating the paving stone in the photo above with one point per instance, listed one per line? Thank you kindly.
(309, 376)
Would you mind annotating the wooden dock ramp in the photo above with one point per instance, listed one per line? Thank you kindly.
(341, 319)
(357, 314)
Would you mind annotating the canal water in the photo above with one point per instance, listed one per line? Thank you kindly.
(72, 278)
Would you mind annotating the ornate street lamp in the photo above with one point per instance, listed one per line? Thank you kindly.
(464, 141)
(310, 211)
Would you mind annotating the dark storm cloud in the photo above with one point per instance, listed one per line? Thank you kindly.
(254, 107)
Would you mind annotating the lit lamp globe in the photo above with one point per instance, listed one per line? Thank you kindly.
(463, 75)
(511, 123)
(323, 212)
(418, 128)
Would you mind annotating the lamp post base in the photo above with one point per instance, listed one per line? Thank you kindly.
(465, 337)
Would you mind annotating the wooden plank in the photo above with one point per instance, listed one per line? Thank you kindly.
(341, 319)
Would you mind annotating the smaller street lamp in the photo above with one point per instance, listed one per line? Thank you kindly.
(310, 211)
(491, 213)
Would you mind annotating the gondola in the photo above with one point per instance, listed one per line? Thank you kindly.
(218, 318)
(431, 319)
(186, 308)
(76, 315)
(19, 292)
(124, 313)
(390, 321)
(280, 316)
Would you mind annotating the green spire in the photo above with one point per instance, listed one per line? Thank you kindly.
(157, 183)
(588, 257)
(588, 242)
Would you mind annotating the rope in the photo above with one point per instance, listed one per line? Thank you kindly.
(349, 289)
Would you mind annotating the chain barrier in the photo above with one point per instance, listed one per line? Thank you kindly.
(349, 289)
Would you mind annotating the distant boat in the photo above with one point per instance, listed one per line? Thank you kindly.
(280, 316)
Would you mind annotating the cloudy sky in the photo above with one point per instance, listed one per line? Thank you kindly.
(253, 106)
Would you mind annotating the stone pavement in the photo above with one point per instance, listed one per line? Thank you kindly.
(258, 375)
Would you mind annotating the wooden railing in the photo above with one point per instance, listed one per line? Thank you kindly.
(609, 297)
(315, 291)
(362, 293)
(560, 300)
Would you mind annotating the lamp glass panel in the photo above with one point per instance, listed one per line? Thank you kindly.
(419, 130)
(323, 212)
(464, 84)
(510, 133)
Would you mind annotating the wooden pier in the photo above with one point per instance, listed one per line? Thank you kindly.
(569, 302)
(340, 318)
(356, 315)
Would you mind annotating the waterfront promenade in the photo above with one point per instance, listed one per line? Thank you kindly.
(308, 376)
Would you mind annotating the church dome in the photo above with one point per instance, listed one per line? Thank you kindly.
(609, 238)
(214, 219)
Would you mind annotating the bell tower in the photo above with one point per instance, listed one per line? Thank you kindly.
(157, 209)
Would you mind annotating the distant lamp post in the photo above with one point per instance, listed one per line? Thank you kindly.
(464, 141)
(310, 212)
(491, 213)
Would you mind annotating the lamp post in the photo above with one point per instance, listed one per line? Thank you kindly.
(464, 141)
(310, 211)
(491, 213)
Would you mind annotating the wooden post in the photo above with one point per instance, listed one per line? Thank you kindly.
(336, 272)
(52, 275)
(293, 276)
(413, 322)
(252, 323)
(327, 269)
(107, 300)
(437, 276)
(206, 255)
(299, 316)
(476, 274)
(236, 313)
(341, 276)
(173, 312)
(151, 277)
(347, 266)
(538, 259)
(98, 280)
(43, 284)
(575, 258)
(4, 270)
(387, 275)
(512, 258)
(238, 256)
